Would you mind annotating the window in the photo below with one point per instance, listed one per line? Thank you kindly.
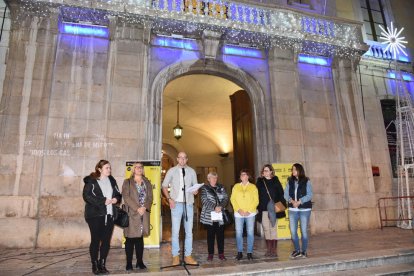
(373, 15)
(388, 107)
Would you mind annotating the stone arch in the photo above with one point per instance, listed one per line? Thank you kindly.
(264, 146)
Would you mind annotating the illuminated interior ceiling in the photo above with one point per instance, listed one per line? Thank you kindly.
(205, 110)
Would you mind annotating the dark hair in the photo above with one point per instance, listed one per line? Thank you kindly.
(246, 171)
(300, 170)
(96, 174)
(269, 167)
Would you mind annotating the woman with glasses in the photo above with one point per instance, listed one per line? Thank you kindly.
(137, 194)
(244, 198)
(298, 193)
(270, 191)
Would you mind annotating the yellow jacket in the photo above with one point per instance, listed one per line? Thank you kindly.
(245, 198)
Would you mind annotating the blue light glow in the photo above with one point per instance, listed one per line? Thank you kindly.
(405, 76)
(87, 30)
(324, 61)
(240, 51)
(187, 44)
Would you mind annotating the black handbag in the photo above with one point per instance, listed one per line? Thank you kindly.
(227, 217)
(121, 218)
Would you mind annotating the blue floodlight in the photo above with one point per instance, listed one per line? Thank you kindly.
(86, 30)
(405, 76)
(241, 51)
(318, 60)
(188, 44)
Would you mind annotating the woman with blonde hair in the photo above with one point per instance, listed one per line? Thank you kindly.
(137, 194)
(214, 198)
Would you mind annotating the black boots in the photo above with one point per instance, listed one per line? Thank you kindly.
(95, 269)
(101, 266)
(239, 256)
(140, 265)
(249, 256)
(128, 266)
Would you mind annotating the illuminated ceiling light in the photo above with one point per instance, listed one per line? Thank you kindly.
(178, 130)
(395, 43)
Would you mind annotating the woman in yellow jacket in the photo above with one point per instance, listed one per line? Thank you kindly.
(245, 199)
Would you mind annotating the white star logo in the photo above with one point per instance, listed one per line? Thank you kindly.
(395, 43)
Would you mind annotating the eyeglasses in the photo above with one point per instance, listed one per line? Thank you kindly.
(266, 170)
(138, 167)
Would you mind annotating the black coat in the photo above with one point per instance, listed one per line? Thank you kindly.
(276, 192)
(94, 198)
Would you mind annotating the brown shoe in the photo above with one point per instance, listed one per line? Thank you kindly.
(190, 260)
(176, 260)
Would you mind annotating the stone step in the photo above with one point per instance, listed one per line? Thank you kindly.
(384, 270)
(402, 261)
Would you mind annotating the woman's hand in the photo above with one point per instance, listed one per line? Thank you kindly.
(108, 201)
(114, 200)
(217, 209)
(141, 210)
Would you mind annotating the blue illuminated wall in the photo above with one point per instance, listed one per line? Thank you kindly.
(166, 51)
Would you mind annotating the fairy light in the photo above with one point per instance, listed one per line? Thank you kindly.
(239, 23)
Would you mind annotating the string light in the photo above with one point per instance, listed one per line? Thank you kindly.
(239, 23)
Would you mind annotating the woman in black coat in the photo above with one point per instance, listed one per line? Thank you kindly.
(269, 188)
(100, 193)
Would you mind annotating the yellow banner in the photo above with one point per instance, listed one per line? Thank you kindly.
(152, 171)
(283, 171)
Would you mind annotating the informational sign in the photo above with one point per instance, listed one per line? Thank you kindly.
(283, 171)
(152, 171)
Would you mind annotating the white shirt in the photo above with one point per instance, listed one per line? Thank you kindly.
(106, 187)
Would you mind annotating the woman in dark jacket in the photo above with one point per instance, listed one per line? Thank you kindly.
(213, 198)
(137, 195)
(269, 188)
(298, 193)
(100, 193)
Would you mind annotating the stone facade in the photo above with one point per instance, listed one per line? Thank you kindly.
(70, 100)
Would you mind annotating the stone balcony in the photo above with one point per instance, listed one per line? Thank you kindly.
(251, 24)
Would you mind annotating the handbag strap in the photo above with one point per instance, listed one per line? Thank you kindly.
(267, 190)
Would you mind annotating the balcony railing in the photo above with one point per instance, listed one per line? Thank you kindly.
(230, 15)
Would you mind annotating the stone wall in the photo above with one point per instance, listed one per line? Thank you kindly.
(69, 101)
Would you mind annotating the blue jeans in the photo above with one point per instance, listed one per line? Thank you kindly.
(250, 233)
(176, 215)
(294, 217)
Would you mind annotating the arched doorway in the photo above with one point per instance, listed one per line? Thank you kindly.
(264, 149)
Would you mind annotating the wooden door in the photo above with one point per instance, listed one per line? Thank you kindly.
(241, 111)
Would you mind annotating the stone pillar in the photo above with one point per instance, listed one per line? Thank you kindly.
(359, 191)
(23, 106)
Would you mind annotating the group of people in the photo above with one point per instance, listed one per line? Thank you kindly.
(250, 202)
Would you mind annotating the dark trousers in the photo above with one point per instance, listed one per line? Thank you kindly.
(215, 231)
(130, 243)
(100, 236)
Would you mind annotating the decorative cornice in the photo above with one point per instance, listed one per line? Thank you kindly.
(256, 25)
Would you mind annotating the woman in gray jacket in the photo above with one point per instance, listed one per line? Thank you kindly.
(137, 194)
(213, 198)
